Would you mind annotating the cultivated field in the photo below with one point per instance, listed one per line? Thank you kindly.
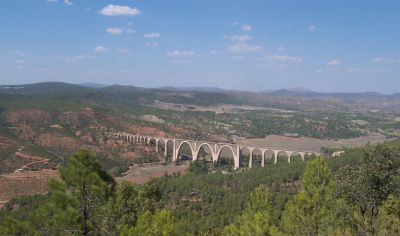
(24, 183)
(222, 108)
(142, 174)
(308, 144)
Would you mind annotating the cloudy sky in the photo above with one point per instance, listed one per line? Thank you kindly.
(341, 46)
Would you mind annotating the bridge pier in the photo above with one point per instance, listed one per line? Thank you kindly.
(276, 156)
(166, 147)
(263, 151)
(157, 145)
(251, 157)
(289, 154)
(237, 158)
(174, 153)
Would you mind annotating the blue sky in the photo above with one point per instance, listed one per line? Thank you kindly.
(329, 46)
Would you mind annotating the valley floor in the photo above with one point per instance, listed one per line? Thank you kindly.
(142, 174)
(309, 144)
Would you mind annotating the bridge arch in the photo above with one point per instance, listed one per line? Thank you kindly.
(269, 157)
(202, 147)
(309, 155)
(281, 156)
(152, 140)
(258, 156)
(296, 156)
(181, 144)
(235, 155)
(253, 155)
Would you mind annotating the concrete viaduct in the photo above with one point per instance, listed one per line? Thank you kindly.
(216, 148)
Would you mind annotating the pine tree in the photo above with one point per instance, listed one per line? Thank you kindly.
(313, 210)
(368, 184)
(77, 198)
(256, 218)
(161, 223)
(128, 203)
(388, 222)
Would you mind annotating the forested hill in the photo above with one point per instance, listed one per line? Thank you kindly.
(211, 96)
(355, 194)
(49, 120)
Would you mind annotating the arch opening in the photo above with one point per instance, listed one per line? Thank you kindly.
(244, 160)
(257, 157)
(161, 145)
(205, 153)
(308, 156)
(282, 157)
(269, 157)
(226, 158)
(184, 152)
(296, 157)
(152, 142)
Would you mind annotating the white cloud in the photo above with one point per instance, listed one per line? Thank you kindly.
(51, 1)
(80, 57)
(151, 44)
(68, 2)
(17, 53)
(312, 28)
(20, 64)
(182, 61)
(117, 10)
(354, 70)
(120, 30)
(319, 71)
(245, 48)
(152, 35)
(239, 38)
(177, 53)
(101, 49)
(129, 31)
(385, 60)
(123, 50)
(334, 62)
(282, 58)
(214, 52)
(280, 49)
(246, 27)
(114, 30)
(239, 58)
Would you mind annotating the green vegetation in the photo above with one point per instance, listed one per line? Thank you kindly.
(52, 120)
(356, 194)
(85, 201)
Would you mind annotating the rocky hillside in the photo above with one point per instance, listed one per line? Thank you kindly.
(52, 120)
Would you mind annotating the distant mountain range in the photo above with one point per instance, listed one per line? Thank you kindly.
(292, 92)
(297, 98)
(309, 93)
(93, 85)
(201, 89)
